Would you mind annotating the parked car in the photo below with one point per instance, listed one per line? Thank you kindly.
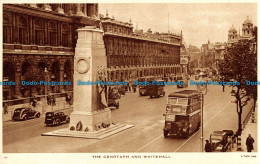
(25, 113)
(56, 118)
(221, 140)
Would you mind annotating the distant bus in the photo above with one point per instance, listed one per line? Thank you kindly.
(183, 113)
(143, 91)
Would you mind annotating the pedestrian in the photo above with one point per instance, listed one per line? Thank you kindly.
(249, 143)
(34, 103)
(223, 88)
(5, 108)
(207, 146)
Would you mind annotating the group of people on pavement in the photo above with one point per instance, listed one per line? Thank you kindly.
(249, 144)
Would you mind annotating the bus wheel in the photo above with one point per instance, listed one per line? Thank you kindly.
(165, 133)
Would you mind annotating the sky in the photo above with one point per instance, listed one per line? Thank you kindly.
(198, 22)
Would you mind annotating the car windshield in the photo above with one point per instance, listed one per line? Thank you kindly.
(216, 137)
(50, 114)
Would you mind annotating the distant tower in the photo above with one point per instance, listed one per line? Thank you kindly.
(247, 28)
(232, 33)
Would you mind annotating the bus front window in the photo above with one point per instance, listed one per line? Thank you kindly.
(177, 101)
(172, 100)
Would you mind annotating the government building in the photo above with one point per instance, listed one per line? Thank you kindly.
(41, 39)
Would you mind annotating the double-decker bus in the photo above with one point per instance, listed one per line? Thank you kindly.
(183, 113)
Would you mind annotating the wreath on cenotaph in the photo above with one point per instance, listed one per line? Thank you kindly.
(79, 126)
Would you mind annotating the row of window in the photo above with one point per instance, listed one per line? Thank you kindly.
(21, 32)
(129, 61)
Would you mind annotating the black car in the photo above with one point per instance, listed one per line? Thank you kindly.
(25, 113)
(221, 140)
(56, 118)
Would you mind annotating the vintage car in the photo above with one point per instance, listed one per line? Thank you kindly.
(221, 140)
(56, 118)
(25, 113)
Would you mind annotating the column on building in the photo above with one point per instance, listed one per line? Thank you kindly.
(85, 9)
(61, 77)
(18, 82)
(79, 11)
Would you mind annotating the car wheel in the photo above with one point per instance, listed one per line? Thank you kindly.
(54, 122)
(117, 106)
(151, 96)
(165, 133)
(186, 135)
(38, 115)
(58, 122)
(25, 118)
(68, 120)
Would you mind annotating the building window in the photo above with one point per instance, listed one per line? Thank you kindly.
(39, 32)
(65, 35)
(53, 33)
(39, 37)
(53, 37)
(7, 29)
(23, 31)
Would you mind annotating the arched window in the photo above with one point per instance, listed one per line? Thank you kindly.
(23, 31)
(39, 32)
(65, 35)
(7, 30)
(53, 33)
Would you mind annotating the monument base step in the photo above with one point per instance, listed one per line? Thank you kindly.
(100, 134)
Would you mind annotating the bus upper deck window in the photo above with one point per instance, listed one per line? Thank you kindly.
(183, 101)
(172, 100)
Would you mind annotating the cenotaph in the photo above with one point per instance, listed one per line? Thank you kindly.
(91, 118)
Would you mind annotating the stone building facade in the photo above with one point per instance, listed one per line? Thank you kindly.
(132, 54)
(44, 36)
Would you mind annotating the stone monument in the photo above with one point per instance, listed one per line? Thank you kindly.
(91, 118)
(90, 107)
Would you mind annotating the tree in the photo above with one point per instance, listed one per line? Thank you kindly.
(35, 75)
(240, 65)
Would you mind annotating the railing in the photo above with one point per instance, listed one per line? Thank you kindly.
(37, 97)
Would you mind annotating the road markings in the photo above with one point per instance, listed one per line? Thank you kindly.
(186, 141)
(149, 143)
(216, 114)
(22, 129)
(27, 122)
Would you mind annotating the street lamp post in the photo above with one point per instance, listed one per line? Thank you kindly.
(45, 78)
(203, 90)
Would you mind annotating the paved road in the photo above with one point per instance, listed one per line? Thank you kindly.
(146, 136)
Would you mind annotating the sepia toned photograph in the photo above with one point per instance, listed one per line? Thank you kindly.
(134, 78)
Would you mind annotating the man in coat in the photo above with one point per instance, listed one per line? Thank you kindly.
(207, 146)
(249, 143)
